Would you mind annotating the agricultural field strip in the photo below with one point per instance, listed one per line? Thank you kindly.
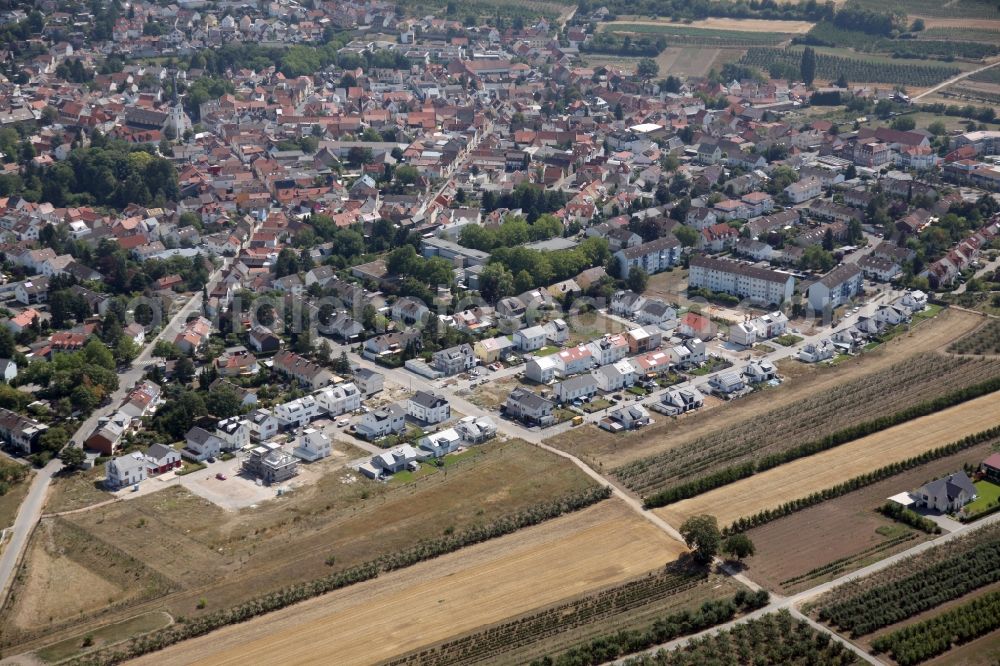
(805, 476)
(856, 69)
(707, 36)
(927, 639)
(914, 585)
(436, 600)
(532, 628)
(883, 392)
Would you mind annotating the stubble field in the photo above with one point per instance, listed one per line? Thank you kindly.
(807, 475)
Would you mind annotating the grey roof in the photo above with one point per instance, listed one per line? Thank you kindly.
(528, 399)
(198, 435)
(950, 486)
(580, 381)
(428, 400)
(840, 275)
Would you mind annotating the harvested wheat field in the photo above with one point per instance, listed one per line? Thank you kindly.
(433, 600)
(722, 23)
(823, 470)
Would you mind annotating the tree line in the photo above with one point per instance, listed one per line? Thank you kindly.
(281, 598)
(627, 641)
(737, 472)
(858, 482)
(897, 600)
(925, 640)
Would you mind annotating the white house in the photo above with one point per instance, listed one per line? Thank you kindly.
(948, 494)
(440, 444)
(573, 360)
(298, 412)
(125, 470)
(383, 422)
(201, 445)
(892, 315)
(234, 433)
(8, 369)
(531, 338)
(760, 370)
(541, 369)
(804, 190)
(312, 445)
(574, 388)
(679, 400)
(743, 334)
(814, 353)
(428, 408)
(727, 383)
(263, 424)
(609, 349)
(339, 399)
(615, 376)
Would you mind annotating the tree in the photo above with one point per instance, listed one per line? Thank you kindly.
(72, 457)
(738, 546)
(637, 279)
(184, 370)
(828, 240)
(495, 282)
(126, 350)
(701, 534)
(807, 66)
(223, 402)
(647, 69)
(937, 128)
(53, 439)
(686, 235)
(342, 365)
(917, 25)
(903, 123)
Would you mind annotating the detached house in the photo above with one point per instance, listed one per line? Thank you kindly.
(454, 360)
(301, 369)
(383, 422)
(529, 408)
(428, 408)
(947, 495)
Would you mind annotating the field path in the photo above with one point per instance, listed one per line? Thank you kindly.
(955, 79)
(718, 23)
(452, 594)
(805, 476)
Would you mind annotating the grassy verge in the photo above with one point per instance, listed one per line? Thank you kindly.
(105, 636)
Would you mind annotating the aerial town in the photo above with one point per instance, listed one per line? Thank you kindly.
(361, 332)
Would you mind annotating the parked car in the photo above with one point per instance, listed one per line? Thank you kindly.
(220, 476)
(342, 422)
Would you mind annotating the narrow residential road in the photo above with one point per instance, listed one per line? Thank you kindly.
(988, 268)
(963, 75)
(30, 510)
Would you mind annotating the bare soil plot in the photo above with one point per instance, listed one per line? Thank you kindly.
(440, 598)
(493, 393)
(603, 450)
(823, 470)
(585, 326)
(223, 557)
(69, 492)
(971, 23)
(844, 527)
(720, 23)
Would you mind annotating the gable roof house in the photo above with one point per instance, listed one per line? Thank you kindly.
(948, 494)
(302, 370)
(454, 360)
(529, 407)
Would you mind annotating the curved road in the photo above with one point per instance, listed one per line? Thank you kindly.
(31, 508)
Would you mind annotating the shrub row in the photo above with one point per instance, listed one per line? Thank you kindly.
(609, 647)
(900, 513)
(887, 604)
(925, 640)
(737, 472)
(880, 474)
(287, 596)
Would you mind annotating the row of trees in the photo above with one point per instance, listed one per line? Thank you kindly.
(544, 268)
(287, 596)
(870, 608)
(531, 199)
(734, 473)
(609, 647)
(925, 640)
(858, 482)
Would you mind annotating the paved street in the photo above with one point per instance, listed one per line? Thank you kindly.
(31, 510)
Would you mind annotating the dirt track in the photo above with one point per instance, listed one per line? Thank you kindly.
(433, 600)
(742, 25)
(823, 470)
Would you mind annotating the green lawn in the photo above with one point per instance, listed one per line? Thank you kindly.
(787, 340)
(930, 311)
(989, 495)
(546, 351)
(109, 635)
